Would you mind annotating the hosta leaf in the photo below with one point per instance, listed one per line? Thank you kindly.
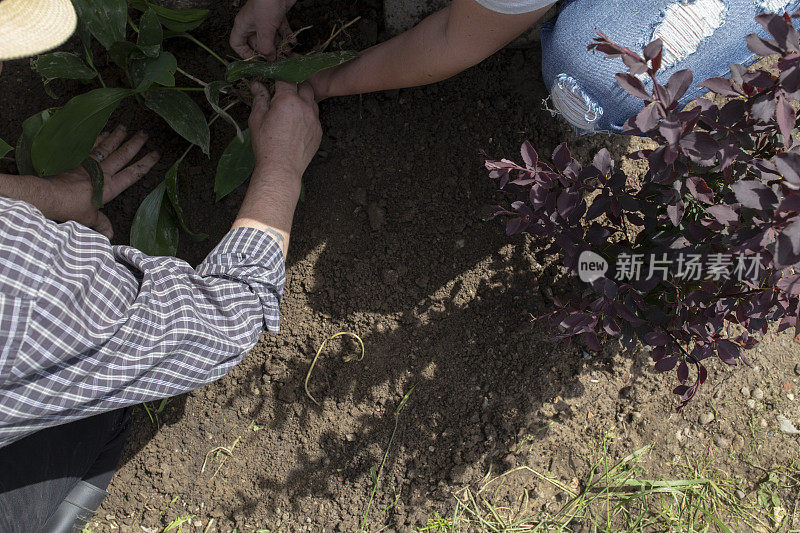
(105, 19)
(171, 183)
(122, 51)
(92, 167)
(161, 70)
(61, 65)
(30, 127)
(154, 230)
(212, 91)
(4, 148)
(182, 114)
(67, 137)
(235, 165)
(150, 33)
(176, 20)
(294, 69)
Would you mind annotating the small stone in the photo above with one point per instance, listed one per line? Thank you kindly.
(763, 423)
(350, 437)
(462, 473)
(790, 397)
(377, 216)
(722, 442)
(786, 426)
(740, 494)
(510, 460)
(706, 418)
(751, 403)
(198, 523)
(757, 394)
(460, 243)
(745, 391)
(738, 443)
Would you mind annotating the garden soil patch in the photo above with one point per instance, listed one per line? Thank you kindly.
(389, 243)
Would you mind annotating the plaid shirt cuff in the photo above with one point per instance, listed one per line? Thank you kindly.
(251, 256)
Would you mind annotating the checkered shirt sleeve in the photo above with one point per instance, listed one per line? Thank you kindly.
(87, 327)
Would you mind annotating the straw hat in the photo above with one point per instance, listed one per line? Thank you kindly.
(29, 27)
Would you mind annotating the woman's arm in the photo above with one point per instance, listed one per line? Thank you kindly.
(445, 43)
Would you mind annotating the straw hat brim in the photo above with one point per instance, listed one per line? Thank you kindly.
(30, 27)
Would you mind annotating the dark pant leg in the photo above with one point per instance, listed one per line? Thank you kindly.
(39, 471)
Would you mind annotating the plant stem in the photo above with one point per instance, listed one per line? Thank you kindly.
(204, 47)
(378, 475)
(216, 116)
(193, 78)
(192, 89)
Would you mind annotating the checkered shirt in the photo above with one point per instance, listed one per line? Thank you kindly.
(87, 327)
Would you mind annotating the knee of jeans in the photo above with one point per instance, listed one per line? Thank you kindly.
(575, 105)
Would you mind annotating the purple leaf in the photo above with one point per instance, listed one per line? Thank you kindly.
(670, 129)
(762, 47)
(786, 118)
(656, 338)
(529, 155)
(790, 284)
(700, 189)
(683, 372)
(728, 351)
(667, 363)
(633, 86)
(679, 83)
(787, 245)
(561, 156)
(789, 204)
(602, 161)
(675, 211)
(652, 50)
(723, 213)
(591, 341)
(721, 86)
(754, 194)
(788, 164)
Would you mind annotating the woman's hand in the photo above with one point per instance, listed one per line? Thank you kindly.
(259, 26)
(69, 194)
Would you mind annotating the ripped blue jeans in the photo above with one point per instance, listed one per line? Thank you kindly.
(705, 36)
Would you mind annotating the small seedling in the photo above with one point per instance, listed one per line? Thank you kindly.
(347, 359)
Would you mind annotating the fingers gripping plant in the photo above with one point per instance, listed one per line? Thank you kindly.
(56, 140)
(722, 189)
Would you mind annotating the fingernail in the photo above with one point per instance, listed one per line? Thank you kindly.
(121, 127)
(143, 134)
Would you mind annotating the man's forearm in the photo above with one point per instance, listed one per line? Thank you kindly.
(268, 207)
(442, 45)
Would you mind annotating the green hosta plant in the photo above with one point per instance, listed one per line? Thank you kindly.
(133, 34)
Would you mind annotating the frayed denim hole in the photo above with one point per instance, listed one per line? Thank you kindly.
(574, 105)
(772, 6)
(684, 25)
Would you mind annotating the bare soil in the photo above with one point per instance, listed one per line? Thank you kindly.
(389, 244)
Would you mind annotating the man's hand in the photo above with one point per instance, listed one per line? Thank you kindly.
(69, 194)
(258, 25)
(285, 136)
